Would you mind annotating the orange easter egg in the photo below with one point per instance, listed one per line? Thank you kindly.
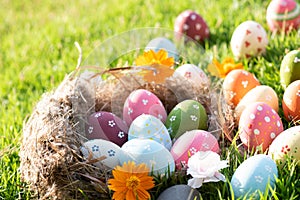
(291, 101)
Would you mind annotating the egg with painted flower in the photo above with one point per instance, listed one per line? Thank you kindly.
(149, 127)
(192, 73)
(290, 68)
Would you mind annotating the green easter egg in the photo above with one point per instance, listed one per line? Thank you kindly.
(290, 68)
(186, 116)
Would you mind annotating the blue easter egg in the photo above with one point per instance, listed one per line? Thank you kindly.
(254, 175)
(163, 43)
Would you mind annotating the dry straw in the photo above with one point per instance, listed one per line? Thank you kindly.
(51, 160)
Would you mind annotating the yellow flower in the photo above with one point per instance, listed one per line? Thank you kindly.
(131, 182)
(222, 69)
(160, 66)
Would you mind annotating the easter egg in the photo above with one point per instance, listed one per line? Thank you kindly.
(185, 116)
(149, 127)
(259, 125)
(236, 84)
(179, 192)
(291, 101)
(248, 39)
(290, 68)
(143, 102)
(163, 43)
(190, 143)
(286, 144)
(283, 15)
(261, 93)
(254, 175)
(105, 151)
(150, 152)
(107, 126)
(191, 24)
(193, 74)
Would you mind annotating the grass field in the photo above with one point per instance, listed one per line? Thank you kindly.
(37, 50)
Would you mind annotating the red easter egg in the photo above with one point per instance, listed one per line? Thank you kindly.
(107, 126)
(283, 15)
(191, 24)
(291, 101)
(259, 125)
(190, 143)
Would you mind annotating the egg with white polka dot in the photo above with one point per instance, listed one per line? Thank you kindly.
(248, 39)
(149, 127)
(192, 25)
(140, 102)
(107, 126)
(153, 154)
(261, 93)
(192, 73)
(291, 101)
(186, 116)
(286, 145)
(258, 126)
(190, 143)
(290, 68)
(253, 176)
(102, 153)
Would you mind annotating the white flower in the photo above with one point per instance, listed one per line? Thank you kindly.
(204, 167)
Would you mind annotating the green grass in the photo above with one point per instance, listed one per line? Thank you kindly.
(37, 50)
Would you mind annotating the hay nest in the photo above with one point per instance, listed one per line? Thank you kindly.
(51, 160)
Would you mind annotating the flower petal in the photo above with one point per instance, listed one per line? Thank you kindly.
(195, 182)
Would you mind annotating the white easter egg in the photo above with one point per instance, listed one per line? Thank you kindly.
(193, 74)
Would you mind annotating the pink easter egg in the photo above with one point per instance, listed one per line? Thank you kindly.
(259, 125)
(191, 24)
(191, 142)
(143, 102)
(283, 15)
(107, 126)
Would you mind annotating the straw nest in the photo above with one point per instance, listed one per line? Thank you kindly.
(51, 160)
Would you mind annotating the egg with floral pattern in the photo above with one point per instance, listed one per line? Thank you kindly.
(142, 101)
(191, 24)
(190, 143)
(106, 152)
(261, 93)
(163, 43)
(107, 126)
(254, 175)
(236, 84)
(259, 125)
(149, 127)
(286, 144)
(290, 68)
(283, 15)
(248, 39)
(185, 116)
(153, 154)
(192, 73)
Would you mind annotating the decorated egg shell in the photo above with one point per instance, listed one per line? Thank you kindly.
(190, 143)
(192, 73)
(286, 144)
(143, 102)
(236, 84)
(185, 116)
(105, 151)
(248, 39)
(291, 101)
(150, 152)
(107, 126)
(283, 15)
(290, 68)
(179, 192)
(149, 127)
(259, 125)
(163, 43)
(191, 24)
(254, 175)
(261, 93)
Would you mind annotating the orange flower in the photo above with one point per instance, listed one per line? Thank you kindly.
(131, 182)
(160, 65)
(222, 69)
